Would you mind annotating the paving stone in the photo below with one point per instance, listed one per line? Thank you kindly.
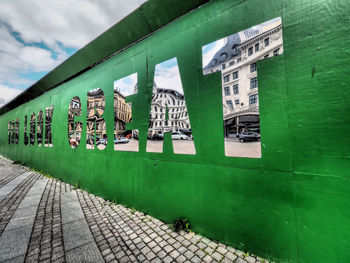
(161, 254)
(193, 248)
(207, 259)
(200, 253)
(150, 255)
(240, 260)
(217, 256)
(188, 254)
(181, 259)
(174, 254)
(230, 256)
(250, 259)
(196, 259)
(167, 259)
(221, 250)
(168, 248)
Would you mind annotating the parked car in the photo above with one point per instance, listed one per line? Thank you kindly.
(249, 136)
(156, 136)
(179, 136)
(121, 140)
(101, 141)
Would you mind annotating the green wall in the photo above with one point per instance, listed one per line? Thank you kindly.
(293, 204)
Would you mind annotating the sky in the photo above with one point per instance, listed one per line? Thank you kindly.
(126, 85)
(36, 36)
(167, 75)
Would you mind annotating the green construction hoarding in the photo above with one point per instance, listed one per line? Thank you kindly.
(232, 114)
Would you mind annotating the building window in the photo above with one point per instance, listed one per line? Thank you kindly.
(223, 66)
(223, 56)
(253, 99)
(227, 91)
(257, 47)
(236, 102)
(230, 104)
(226, 78)
(253, 67)
(253, 83)
(235, 75)
(276, 52)
(231, 63)
(250, 51)
(267, 42)
(235, 89)
(239, 59)
(266, 56)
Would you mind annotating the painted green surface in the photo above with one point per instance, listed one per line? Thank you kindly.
(292, 205)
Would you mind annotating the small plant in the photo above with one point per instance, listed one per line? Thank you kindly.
(181, 224)
(133, 210)
(246, 254)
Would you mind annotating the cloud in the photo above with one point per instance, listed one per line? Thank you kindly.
(74, 23)
(126, 85)
(7, 93)
(17, 58)
(168, 77)
(36, 36)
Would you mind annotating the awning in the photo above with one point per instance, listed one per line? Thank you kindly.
(249, 118)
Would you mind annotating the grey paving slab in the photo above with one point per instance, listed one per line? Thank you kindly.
(15, 238)
(70, 208)
(10, 186)
(79, 243)
(13, 243)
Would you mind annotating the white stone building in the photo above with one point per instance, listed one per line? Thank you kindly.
(237, 62)
(168, 112)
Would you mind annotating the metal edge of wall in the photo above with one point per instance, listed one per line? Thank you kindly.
(114, 40)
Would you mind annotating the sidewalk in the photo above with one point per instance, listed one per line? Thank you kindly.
(45, 220)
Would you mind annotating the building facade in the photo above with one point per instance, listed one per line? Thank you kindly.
(237, 62)
(122, 113)
(168, 112)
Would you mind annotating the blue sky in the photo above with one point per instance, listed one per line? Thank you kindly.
(36, 36)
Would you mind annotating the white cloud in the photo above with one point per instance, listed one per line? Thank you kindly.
(16, 59)
(56, 24)
(126, 85)
(168, 78)
(74, 23)
(7, 93)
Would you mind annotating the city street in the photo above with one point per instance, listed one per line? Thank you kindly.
(235, 148)
(131, 146)
(179, 146)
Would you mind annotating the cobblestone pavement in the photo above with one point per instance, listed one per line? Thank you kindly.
(46, 220)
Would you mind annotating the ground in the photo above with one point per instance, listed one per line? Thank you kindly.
(46, 220)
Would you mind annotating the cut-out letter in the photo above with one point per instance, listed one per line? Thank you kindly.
(168, 111)
(48, 122)
(40, 128)
(96, 125)
(236, 56)
(74, 128)
(124, 140)
(32, 129)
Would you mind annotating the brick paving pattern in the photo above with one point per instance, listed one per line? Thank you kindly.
(71, 225)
